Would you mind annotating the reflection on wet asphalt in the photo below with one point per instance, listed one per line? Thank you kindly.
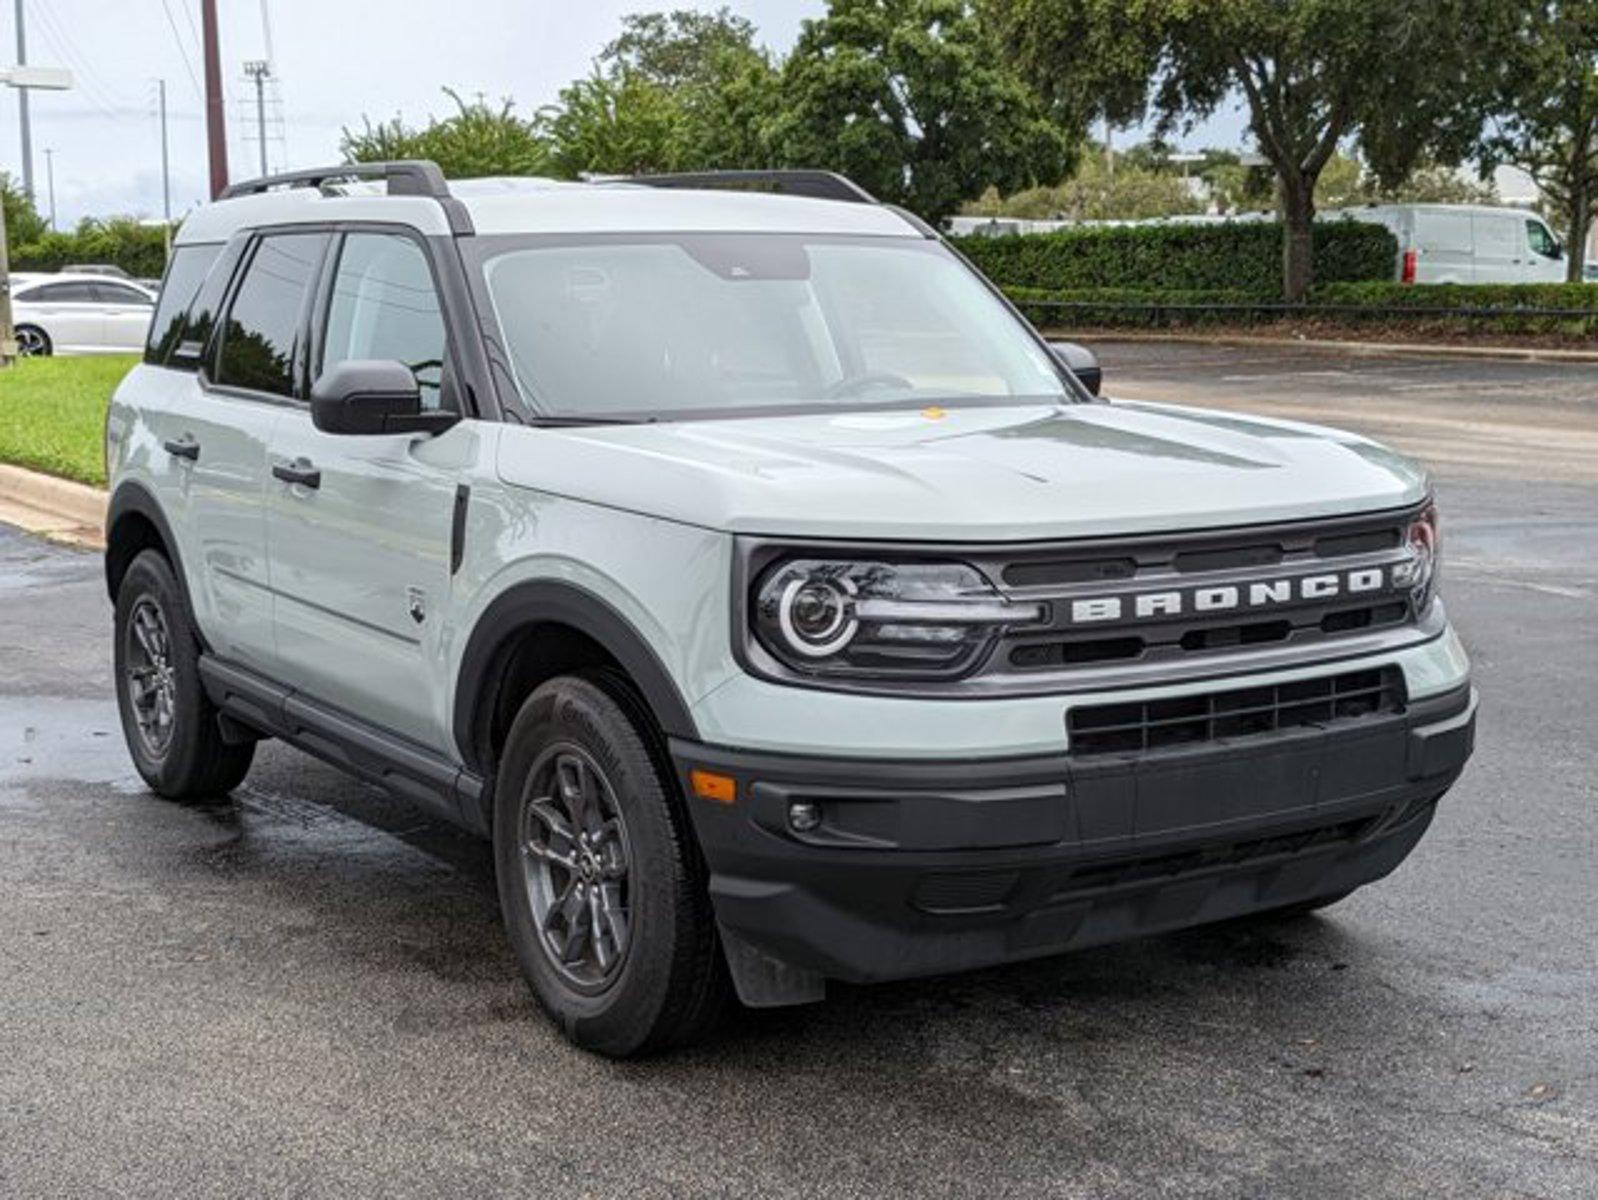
(304, 988)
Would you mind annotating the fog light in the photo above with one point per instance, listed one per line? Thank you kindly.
(803, 816)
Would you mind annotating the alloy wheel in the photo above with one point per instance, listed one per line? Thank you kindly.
(150, 676)
(577, 864)
(31, 343)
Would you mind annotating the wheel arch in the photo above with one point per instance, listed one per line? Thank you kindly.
(134, 522)
(519, 613)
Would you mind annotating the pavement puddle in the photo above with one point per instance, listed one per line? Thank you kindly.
(43, 737)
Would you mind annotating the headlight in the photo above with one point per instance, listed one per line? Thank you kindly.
(867, 618)
(1418, 572)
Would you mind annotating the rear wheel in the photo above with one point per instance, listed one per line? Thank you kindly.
(32, 342)
(600, 881)
(170, 725)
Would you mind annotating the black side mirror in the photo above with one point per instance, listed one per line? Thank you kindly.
(372, 396)
(1081, 362)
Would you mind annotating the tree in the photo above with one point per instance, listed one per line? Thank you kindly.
(1401, 80)
(23, 222)
(682, 49)
(475, 140)
(1547, 91)
(721, 84)
(910, 99)
(618, 124)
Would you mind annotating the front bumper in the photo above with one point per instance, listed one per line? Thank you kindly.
(921, 868)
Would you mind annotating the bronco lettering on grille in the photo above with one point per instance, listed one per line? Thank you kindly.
(1265, 594)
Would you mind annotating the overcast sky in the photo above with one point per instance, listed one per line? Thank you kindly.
(336, 60)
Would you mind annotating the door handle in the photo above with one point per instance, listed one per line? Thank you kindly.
(183, 447)
(299, 471)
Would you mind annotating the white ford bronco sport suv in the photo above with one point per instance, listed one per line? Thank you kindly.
(780, 603)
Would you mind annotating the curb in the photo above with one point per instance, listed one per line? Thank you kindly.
(58, 509)
(1521, 353)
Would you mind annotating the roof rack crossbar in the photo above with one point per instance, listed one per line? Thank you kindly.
(818, 185)
(405, 177)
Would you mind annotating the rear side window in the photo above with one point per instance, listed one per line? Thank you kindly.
(259, 336)
(61, 293)
(185, 274)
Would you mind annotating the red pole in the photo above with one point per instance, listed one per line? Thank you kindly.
(215, 110)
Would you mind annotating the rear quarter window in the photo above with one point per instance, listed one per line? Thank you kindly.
(185, 275)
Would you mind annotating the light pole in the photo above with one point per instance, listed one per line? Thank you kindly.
(49, 175)
(23, 78)
(22, 104)
(166, 162)
(260, 70)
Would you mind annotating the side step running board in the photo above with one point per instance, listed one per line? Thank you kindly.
(365, 751)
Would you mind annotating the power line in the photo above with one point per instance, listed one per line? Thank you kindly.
(87, 80)
(177, 40)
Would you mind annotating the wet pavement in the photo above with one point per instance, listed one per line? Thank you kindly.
(304, 989)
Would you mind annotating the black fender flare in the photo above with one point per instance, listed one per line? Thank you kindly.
(546, 601)
(133, 498)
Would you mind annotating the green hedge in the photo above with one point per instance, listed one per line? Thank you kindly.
(140, 250)
(1514, 307)
(1234, 255)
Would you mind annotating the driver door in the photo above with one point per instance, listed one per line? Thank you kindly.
(360, 556)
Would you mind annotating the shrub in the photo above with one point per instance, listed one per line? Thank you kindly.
(1232, 255)
(1447, 308)
(140, 250)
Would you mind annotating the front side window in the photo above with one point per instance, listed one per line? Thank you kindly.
(708, 324)
(118, 293)
(1542, 242)
(384, 305)
(258, 337)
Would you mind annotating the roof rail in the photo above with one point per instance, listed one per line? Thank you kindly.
(818, 185)
(405, 177)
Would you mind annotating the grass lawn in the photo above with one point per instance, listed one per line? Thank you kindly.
(52, 413)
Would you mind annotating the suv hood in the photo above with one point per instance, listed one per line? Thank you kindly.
(978, 474)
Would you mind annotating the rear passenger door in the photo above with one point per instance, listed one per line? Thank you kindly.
(360, 559)
(235, 349)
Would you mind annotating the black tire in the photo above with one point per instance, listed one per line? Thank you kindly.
(665, 985)
(33, 342)
(186, 757)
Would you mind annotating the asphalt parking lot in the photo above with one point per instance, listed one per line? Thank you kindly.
(304, 989)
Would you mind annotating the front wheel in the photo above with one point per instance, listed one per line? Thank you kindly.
(600, 882)
(169, 723)
(32, 342)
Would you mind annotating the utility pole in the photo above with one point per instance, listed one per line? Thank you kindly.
(49, 174)
(260, 70)
(215, 110)
(22, 106)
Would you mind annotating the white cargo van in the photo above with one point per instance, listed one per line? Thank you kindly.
(1462, 243)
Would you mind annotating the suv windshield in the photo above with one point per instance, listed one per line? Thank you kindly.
(709, 324)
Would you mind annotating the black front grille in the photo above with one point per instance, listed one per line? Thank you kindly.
(1185, 566)
(1140, 726)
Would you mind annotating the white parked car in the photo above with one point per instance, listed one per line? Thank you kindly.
(1465, 243)
(80, 314)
